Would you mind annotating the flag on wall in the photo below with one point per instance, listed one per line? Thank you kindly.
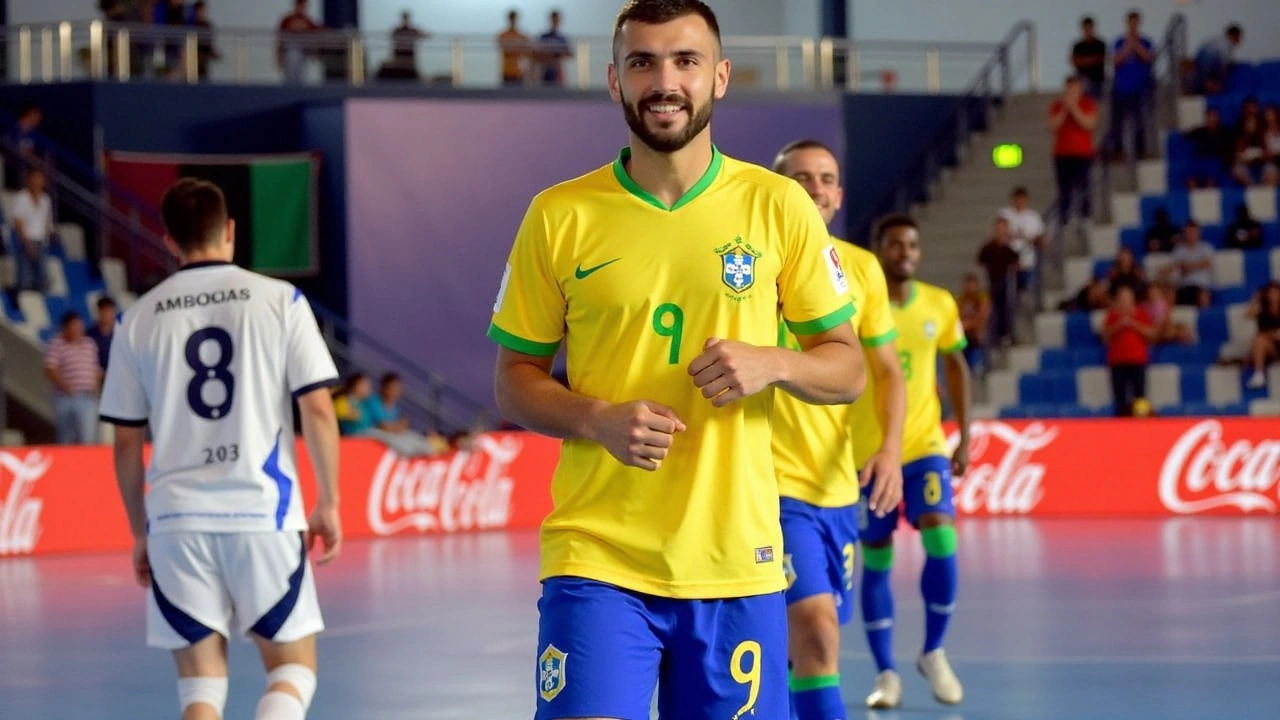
(272, 199)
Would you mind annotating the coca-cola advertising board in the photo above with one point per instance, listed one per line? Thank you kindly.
(64, 499)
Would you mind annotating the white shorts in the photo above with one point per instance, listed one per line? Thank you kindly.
(230, 583)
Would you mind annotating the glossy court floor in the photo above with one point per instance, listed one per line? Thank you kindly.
(1107, 620)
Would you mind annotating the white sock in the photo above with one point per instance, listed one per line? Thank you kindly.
(277, 705)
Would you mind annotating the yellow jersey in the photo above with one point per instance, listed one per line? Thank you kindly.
(634, 289)
(928, 323)
(812, 444)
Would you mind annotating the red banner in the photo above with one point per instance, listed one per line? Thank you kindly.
(64, 499)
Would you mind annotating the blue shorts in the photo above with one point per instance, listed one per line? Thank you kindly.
(819, 545)
(602, 649)
(926, 488)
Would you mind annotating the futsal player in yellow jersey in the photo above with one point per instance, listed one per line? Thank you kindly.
(928, 322)
(663, 274)
(814, 461)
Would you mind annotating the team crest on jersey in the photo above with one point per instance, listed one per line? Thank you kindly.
(930, 329)
(551, 677)
(738, 264)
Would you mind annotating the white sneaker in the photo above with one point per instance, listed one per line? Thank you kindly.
(888, 691)
(942, 680)
(1257, 381)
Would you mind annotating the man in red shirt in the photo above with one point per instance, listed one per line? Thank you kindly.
(1073, 116)
(1128, 333)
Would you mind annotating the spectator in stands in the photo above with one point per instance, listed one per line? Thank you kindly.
(349, 402)
(1252, 165)
(1093, 296)
(516, 48)
(1026, 232)
(1271, 135)
(975, 315)
(1000, 261)
(1089, 58)
(1131, 89)
(71, 363)
(383, 409)
(1159, 304)
(1244, 233)
(103, 330)
(293, 49)
(1213, 147)
(1072, 117)
(1251, 107)
(1163, 236)
(174, 17)
(24, 147)
(1214, 60)
(553, 48)
(1265, 309)
(1126, 272)
(33, 231)
(403, 64)
(1128, 333)
(1193, 261)
(206, 51)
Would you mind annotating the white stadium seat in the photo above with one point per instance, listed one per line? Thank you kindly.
(6, 204)
(1153, 177)
(1228, 268)
(1262, 203)
(1125, 211)
(1002, 389)
(1191, 112)
(1051, 330)
(1264, 408)
(114, 275)
(1188, 316)
(1093, 387)
(1275, 264)
(1024, 360)
(1239, 327)
(1077, 273)
(1222, 385)
(1154, 263)
(33, 308)
(56, 277)
(1206, 206)
(983, 411)
(1096, 319)
(1104, 242)
(1273, 381)
(1164, 386)
(72, 237)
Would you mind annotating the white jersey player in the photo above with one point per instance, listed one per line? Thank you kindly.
(209, 360)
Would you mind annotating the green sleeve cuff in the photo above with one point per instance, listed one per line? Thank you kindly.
(879, 340)
(964, 343)
(824, 323)
(520, 345)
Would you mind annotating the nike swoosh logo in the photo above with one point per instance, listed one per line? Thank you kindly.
(583, 274)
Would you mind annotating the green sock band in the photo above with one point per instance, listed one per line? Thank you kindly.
(878, 559)
(940, 541)
(815, 683)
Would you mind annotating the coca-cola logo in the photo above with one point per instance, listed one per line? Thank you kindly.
(19, 511)
(470, 489)
(1002, 478)
(1202, 472)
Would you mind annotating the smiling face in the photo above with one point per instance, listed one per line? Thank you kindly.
(818, 173)
(667, 76)
(900, 253)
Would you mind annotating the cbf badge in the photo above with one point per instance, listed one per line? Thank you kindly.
(551, 677)
(738, 265)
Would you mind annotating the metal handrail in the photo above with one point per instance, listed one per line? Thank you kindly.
(48, 53)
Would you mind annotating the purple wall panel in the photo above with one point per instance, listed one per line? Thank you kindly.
(437, 188)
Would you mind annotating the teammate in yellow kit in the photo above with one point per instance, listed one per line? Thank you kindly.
(814, 460)
(928, 323)
(663, 274)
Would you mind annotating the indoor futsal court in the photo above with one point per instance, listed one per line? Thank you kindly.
(1057, 620)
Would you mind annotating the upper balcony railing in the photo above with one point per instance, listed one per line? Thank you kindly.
(96, 50)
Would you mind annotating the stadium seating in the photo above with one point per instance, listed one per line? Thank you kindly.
(1064, 373)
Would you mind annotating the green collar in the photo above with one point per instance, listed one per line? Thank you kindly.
(620, 172)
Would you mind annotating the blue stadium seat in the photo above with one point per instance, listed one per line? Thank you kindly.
(1032, 390)
(77, 272)
(1243, 78)
(1014, 413)
(1235, 410)
(1178, 149)
(1089, 355)
(1079, 332)
(1101, 267)
(1212, 326)
(1199, 409)
(1232, 199)
(1177, 203)
(57, 306)
(1215, 235)
(1056, 359)
(1271, 235)
(47, 333)
(1132, 238)
(1257, 268)
(10, 310)
(1074, 411)
(1231, 296)
(1268, 76)
(1228, 107)
(1198, 354)
(1177, 172)
(1061, 386)
(1193, 385)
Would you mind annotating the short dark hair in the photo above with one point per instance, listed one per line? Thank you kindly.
(1134, 15)
(1020, 191)
(1234, 30)
(1191, 224)
(194, 212)
(796, 145)
(105, 302)
(658, 12)
(69, 317)
(889, 222)
(389, 378)
(1087, 20)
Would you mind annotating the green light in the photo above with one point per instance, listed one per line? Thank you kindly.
(1007, 157)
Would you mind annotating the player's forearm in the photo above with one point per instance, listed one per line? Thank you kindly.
(958, 387)
(528, 396)
(131, 479)
(831, 373)
(891, 398)
(320, 431)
